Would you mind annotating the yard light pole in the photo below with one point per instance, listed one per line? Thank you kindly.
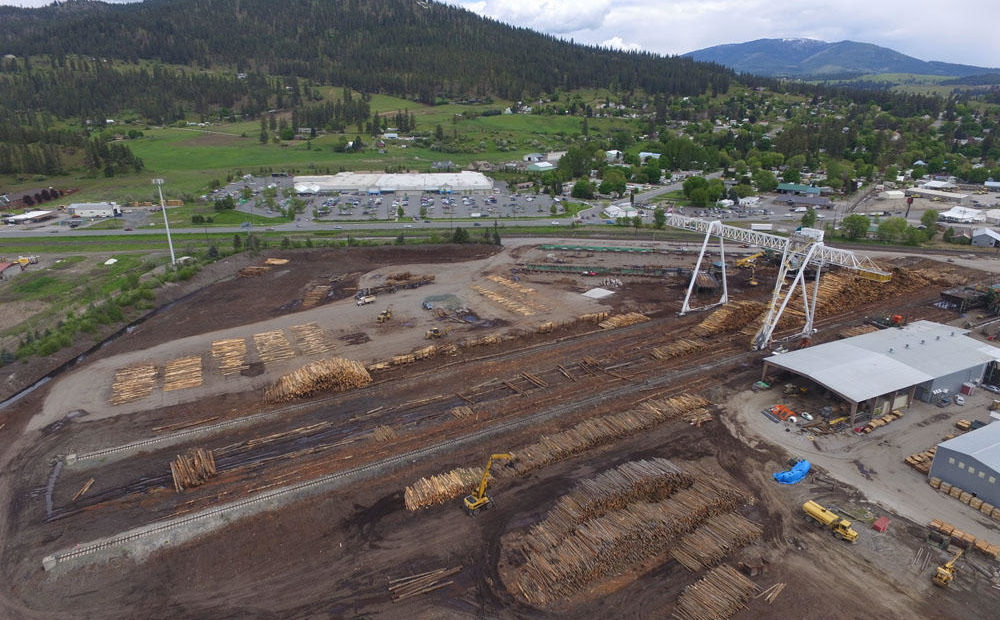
(163, 207)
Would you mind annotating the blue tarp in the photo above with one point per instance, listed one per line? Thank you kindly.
(794, 474)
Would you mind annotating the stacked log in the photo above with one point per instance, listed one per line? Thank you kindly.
(592, 317)
(623, 320)
(133, 383)
(721, 593)
(462, 411)
(422, 583)
(253, 271)
(679, 348)
(330, 375)
(714, 540)
(315, 296)
(182, 373)
(192, 469)
(276, 261)
(611, 490)
(230, 355)
(384, 433)
(517, 286)
(273, 346)
(311, 339)
(730, 318)
(441, 488)
(505, 302)
(620, 540)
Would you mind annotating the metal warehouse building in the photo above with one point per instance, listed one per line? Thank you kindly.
(887, 369)
(971, 462)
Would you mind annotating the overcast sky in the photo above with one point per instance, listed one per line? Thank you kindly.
(961, 31)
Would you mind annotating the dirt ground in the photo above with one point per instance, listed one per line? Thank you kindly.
(331, 556)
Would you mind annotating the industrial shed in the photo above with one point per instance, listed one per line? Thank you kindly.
(463, 181)
(887, 369)
(971, 462)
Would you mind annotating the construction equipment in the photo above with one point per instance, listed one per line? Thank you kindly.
(945, 573)
(753, 277)
(749, 261)
(841, 528)
(385, 315)
(479, 500)
(364, 300)
(435, 332)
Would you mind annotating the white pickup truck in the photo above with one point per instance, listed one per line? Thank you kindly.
(367, 299)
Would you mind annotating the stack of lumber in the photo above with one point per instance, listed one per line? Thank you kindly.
(503, 301)
(315, 296)
(384, 433)
(440, 488)
(462, 411)
(592, 317)
(602, 429)
(623, 320)
(679, 348)
(730, 318)
(132, 383)
(182, 373)
(330, 375)
(230, 355)
(254, 271)
(192, 469)
(963, 425)
(276, 261)
(273, 346)
(611, 490)
(422, 583)
(621, 540)
(714, 540)
(517, 286)
(721, 593)
(881, 421)
(921, 461)
(311, 339)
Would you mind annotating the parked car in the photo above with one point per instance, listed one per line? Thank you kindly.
(808, 417)
(991, 388)
(959, 399)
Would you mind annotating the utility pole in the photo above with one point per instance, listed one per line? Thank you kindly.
(163, 207)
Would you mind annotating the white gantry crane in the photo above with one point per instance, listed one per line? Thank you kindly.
(800, 250)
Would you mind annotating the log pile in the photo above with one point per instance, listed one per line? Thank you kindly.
(729, 318)
(132, 383)
(592, 317)
(721, 593)
(276, 261)
(230, 355)
(311, 339)
(182, 373)
(273, 346)
(516, 286)
(679, 348)
(422, 583)
(505, 302)
(462, 411)
(714, 540)
(193, 468)
(441, 488)
(623, 320)
(253, 271)
(384, 433)
(620, 540)
(611, 490)
(315, 296)
(330, 375)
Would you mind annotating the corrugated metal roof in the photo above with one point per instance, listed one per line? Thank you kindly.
(891, 359)
(982, 444)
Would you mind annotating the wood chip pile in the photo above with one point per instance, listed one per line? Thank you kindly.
(442, 487)
(621, 540)
(714, 540)
(611, 490)
(730, 318)
(193, 468)
(721, 593)
(230, 355)
(132, 383)
(311, 339)
(182, 373)
(273, 346)
(315, 296)
(623, 320)
(330, 375)
(679, 348)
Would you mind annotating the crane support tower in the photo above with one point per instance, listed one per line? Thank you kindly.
(801, 249)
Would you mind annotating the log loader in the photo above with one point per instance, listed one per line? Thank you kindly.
(479, 500)
(946, 572)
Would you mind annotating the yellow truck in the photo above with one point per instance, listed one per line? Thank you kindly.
(841, 528)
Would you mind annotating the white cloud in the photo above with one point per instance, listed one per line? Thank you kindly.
(618, 43)
(551, 16)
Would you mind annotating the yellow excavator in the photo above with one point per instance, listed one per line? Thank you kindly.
(435, 332)
(385, 315)
(946, 572)
(479, 500)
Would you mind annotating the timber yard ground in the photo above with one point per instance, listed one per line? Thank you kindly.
(522, 357)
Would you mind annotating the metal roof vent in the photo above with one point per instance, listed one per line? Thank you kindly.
(890, 349)
(952, 333)
(907, 346)
(921, 342)
(937, 338)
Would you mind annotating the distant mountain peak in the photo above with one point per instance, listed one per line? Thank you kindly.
(804, 57)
